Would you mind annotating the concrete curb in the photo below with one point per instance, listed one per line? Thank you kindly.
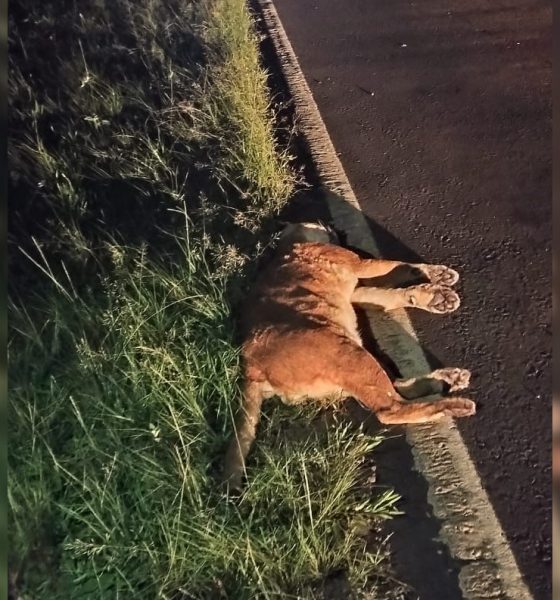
(469, 526)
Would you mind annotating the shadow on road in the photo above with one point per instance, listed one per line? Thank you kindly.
(420, 558)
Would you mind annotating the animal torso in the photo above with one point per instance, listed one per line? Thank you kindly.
(301, 339)
(303, 296)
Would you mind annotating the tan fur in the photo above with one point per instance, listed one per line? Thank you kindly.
(301, 339)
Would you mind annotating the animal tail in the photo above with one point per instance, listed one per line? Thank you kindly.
(244, 434)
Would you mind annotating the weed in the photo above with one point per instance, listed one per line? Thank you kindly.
(144, 175)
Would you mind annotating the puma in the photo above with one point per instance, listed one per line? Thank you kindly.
(301, 338)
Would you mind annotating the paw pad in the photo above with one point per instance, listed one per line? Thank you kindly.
(444, 299)
(441, 275)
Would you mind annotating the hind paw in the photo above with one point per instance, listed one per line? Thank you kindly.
(457, 407)
(457, 379)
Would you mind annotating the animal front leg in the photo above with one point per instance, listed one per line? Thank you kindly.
(243, 436)
(437, 274)
(433, 298)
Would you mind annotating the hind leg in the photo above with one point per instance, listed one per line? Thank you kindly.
(436, 274)
(436, 382)
(371, 386)
(426, 412)
(399, 411)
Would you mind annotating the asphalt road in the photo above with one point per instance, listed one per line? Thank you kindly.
(441, 112)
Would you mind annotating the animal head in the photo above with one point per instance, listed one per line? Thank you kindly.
(294, 233)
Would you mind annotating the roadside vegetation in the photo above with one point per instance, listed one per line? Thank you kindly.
(144, 181)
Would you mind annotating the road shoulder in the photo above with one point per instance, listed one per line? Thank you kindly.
(468, 525)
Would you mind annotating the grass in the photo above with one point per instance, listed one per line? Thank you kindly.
(144, 181)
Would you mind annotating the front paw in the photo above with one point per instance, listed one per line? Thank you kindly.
(440, 274)
(437, 299)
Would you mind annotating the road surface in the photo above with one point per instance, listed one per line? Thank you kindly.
(441, 113)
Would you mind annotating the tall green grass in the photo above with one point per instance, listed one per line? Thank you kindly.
(144, 180)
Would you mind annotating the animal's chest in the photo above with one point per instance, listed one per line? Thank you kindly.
(298, 295)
